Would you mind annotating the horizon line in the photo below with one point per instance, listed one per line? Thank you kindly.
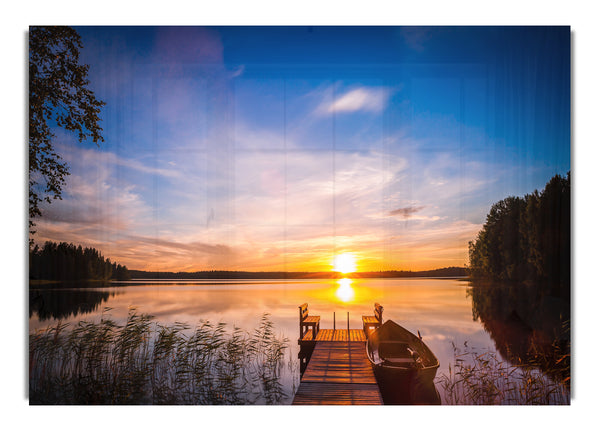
(300, 272)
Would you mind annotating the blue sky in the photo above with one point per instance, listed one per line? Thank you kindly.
(277, 148)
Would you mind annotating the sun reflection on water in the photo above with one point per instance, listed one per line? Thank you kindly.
(345, 292)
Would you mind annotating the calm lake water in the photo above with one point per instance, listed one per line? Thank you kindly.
(440, 309)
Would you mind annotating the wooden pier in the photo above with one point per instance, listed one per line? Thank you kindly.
(335, 368)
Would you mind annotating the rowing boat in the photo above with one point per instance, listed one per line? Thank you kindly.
(403, 364)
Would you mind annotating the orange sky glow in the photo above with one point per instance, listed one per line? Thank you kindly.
(219, 154)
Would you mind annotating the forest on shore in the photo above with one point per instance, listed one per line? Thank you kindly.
(68, 262)
(528, 240)
(441, 272)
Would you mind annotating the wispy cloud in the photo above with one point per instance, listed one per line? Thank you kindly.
(84, 158)
(406, 212)
(238, 71)
(155, 253)
(96, 199)
(365, 99)
(287, 209)
(268, 209)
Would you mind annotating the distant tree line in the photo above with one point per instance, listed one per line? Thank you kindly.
(451, 271)
(528, 240)
(69, 262)
(217, 274)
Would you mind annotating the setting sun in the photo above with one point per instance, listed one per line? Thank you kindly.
(344, 263)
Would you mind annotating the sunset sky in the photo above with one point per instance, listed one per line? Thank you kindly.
(278, 148)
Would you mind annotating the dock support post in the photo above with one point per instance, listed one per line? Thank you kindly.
(348, 322)
(334, 320)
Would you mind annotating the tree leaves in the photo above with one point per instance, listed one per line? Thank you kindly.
(58, 96)
(527, 239)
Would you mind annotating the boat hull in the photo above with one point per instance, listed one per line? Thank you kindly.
(402, 387)
(403, 379)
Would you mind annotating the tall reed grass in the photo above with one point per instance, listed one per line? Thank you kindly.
(144, 362)
(483, 379)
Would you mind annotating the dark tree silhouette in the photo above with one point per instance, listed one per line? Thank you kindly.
(69, 262)
(528, 239)
(58, 96)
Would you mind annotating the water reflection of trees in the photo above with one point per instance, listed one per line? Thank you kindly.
(63, 304)
(527, 326)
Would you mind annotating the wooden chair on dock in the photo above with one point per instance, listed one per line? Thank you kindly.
(308, 322)
(373, 322)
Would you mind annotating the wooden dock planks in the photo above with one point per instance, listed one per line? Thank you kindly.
(338, 372)
(336, 335)
(335, 362)
(337, 394)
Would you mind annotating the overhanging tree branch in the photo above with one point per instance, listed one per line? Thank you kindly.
(58, 93)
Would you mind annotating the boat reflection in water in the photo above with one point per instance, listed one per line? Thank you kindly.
(403, 365)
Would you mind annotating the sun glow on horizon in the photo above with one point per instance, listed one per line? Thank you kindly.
(344, 263)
